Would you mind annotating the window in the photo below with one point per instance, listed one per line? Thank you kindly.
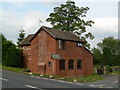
(49, 64)
(62, 64)
(79, 44)
(79, 64)
(61, 44)
(71, 64)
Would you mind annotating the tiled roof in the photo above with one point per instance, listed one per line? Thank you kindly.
(26, 41)
(59, 34)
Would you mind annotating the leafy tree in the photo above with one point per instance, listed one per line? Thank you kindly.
(11, 55)
(109, 42)
(70, 18)
(107, 56)
(97, 56)
(113, 45)
(21, 36)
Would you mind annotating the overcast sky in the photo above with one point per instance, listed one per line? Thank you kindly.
(27, 13)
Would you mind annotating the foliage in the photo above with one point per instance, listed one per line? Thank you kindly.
(111, 43)
(107, 56)
(11, 55)
(70, 18)
(21, 36)
(108, 52)
(97, 56)
(108, 68)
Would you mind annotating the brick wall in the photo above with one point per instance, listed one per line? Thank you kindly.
(43, 45)
(72, 51)
(26, 56)
(38, 50)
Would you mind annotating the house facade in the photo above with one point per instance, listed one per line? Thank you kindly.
(75, 59)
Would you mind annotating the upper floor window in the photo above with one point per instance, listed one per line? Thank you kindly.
(79, 64)
(79, 44)
(71, 64)
(61, 44)
(62, 64)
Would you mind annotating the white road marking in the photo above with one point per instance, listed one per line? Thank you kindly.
(69, 82)
(30, 86)
(53, 79)
(108, 87)
(115, 82)
(3, 79)
(79, 84)
(92, 85)
(101, 85)
(32, 76)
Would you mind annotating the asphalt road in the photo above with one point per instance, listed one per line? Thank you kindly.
(15, 80)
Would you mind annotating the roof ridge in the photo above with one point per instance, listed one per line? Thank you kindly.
(48, 31)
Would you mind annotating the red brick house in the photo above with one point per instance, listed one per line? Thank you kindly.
(75, 60)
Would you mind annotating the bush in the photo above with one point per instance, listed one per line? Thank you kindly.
(108, 68)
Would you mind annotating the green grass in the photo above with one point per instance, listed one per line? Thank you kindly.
(84, 79)
(14, 69)
(113, 73)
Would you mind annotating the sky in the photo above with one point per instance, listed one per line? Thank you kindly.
(18, 14)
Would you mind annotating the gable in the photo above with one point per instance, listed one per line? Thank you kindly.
(59, 34)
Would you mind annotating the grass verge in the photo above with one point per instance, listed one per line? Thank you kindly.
(85, 79)
(14, 69)
(82, 79)
(113, 73)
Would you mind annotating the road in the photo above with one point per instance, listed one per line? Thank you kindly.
(17, 80)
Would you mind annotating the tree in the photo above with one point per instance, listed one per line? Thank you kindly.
(109, 42)
(107, 56)
(110, 45)
(11, 55)
(70, 18)
(97, 56)
(21, 36)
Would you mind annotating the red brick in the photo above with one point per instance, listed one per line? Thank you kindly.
(43, 45)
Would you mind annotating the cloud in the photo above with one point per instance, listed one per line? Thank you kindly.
(106, 24)
(59, 0)
(103, 27)
(12, 22)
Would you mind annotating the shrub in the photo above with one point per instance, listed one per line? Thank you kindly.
(108, 68)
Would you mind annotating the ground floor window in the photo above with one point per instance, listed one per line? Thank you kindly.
(79, 64)
(71, 64)
(62, 64)
(49, 64)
